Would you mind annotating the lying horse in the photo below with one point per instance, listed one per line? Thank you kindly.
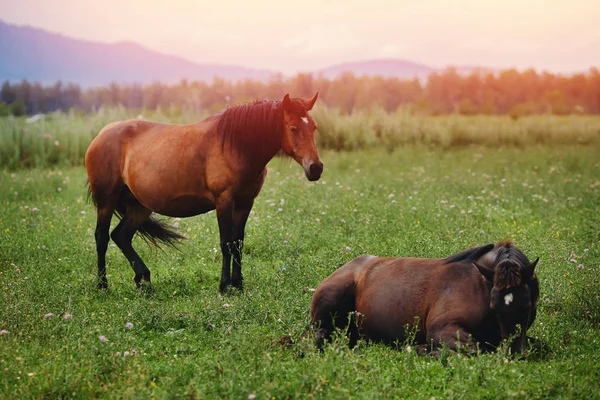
(476, 297)
(137, 167)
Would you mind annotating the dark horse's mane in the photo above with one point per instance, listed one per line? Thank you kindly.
(469, 254)
(252, 125)
(508, 263)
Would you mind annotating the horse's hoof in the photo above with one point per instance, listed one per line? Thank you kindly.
(436, 353)
(230, 289)
(144, 286)
(223, 287)
(285, 341)
(103, 285)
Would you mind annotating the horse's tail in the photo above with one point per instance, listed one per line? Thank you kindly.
(156, 232)
(89, 193)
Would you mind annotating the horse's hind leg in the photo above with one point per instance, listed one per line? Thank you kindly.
(329, 310)
(134, 216)
(104, 216)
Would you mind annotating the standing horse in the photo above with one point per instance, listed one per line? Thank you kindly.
(477, 296)
(136, 168)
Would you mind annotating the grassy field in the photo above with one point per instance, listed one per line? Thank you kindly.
(62, 338)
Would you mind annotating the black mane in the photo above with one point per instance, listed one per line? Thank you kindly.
(510, 253)
(469, 254)
(509, 262)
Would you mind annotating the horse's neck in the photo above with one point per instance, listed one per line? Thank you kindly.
(256, 156)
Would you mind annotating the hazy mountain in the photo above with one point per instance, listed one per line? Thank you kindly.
(384, 67)
(45, 57)
(42, 56)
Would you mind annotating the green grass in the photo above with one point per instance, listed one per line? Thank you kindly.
(192, 342)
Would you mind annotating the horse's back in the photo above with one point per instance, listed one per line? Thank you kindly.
(390, 293)
(108, 144)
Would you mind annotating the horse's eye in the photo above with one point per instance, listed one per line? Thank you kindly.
(293, 129)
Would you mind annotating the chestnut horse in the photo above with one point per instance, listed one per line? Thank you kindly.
(478, 296)
(137, 167)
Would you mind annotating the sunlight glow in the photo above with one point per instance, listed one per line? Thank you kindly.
(559, 35)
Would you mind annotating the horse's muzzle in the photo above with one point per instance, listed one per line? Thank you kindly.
(314, 171)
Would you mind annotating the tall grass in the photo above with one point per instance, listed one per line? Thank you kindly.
(62, 138)
(377, 128)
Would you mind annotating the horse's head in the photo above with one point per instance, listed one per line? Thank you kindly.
(298, 139)
(514, 295)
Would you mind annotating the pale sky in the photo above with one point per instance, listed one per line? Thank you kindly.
(297, 35)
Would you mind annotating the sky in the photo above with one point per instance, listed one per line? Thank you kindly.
(300, 35)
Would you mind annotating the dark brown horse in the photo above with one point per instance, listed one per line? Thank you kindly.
(478, 296)
(136, 168)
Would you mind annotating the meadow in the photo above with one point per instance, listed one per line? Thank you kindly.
(396, 196)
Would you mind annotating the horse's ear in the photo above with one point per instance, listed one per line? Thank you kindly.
(287, 102)
(487, 273)
(312, 101)
(528, 272)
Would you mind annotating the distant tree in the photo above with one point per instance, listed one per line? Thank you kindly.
(8, 93)
(466, 107)
(17, 108)
(71, 96)
(302, 85)
(24, 94)
(36, 99)
(508, 92)
(556, 102)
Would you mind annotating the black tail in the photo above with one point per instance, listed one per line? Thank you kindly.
(89, 193)
(157, 232)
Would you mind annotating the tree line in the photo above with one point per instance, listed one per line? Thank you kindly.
(479, 92)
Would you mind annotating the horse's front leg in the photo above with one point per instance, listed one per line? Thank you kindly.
(452, 335)
(240, 216)
(225, 219)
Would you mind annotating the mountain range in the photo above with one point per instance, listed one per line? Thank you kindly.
(41, 56)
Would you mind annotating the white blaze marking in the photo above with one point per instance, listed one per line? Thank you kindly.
(508, 299)
(304, 119)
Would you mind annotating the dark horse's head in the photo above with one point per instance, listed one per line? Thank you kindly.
(515, 290)
(298, 139)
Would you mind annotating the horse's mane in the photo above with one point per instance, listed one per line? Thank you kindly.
(509, 262)
(507, 275)
(251, 125)
(469, 254)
